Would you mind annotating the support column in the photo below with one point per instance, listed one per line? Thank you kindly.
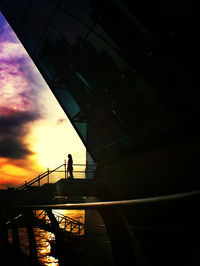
(121, 241)
(60, 249)
(3, 228)
(65, 164)
(15, 234)
(28, 216)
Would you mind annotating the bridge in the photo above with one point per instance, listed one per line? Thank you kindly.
(70, 226)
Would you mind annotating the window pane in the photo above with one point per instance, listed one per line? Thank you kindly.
(67, 27)
(67, 101)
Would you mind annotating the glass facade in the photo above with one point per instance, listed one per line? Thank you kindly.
(114, 70)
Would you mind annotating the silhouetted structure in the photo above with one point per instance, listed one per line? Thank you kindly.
(125, 73)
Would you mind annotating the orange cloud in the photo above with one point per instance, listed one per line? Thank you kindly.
(14, 172)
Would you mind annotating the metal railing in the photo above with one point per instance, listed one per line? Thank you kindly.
(53, 176)
(122, 232)
(66, 223)
(111, 204)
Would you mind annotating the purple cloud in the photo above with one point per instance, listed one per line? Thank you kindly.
(19, 88)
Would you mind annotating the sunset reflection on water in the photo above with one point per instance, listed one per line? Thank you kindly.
(43, 238)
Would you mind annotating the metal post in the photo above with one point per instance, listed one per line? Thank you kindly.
(29, 217)
(48, 176)
(39, 181)
(61, 252)
(15, 234)
(65, 164)
(123, 250)
(3, 228)
(70, 227)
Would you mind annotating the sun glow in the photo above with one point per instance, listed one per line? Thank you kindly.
(53, 143)
(53, 138)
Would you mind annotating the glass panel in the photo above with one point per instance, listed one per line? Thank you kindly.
(99, 30)
(38, 15)
(71, 108)
(82, 79)
(29, 40)
(81, 129)
(67, 101)
(112, 52)
(67, 27)
(47, 68)
(79, 9)
(18, 7)
(66, 74)
(76, 85)
(94, 64)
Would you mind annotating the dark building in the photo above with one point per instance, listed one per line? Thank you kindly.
(125, 73)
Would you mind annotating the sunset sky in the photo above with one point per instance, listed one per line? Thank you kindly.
(34, 131)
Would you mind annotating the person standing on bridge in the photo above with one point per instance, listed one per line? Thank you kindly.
(70, 166)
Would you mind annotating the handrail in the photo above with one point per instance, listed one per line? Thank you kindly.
(39, 177)
(66, 223)
(49, 172)
(68, 218)
(106, 204)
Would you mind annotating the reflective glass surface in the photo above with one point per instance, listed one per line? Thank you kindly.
(111, 66)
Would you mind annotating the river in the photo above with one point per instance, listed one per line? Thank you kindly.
(43, 238)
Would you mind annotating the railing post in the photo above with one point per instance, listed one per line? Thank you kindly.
(70, 227)
(39, 180)
(79, 229)
(65, 165)
(48, 176)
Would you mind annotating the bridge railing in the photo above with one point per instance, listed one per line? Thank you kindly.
(66, 223)
(126, 250)
(53, 176)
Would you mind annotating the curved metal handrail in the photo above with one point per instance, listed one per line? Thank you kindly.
(106, 204)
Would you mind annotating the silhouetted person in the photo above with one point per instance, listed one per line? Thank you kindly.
(70, 166)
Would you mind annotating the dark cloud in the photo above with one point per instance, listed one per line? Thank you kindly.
(13, 148)
(13, 129)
